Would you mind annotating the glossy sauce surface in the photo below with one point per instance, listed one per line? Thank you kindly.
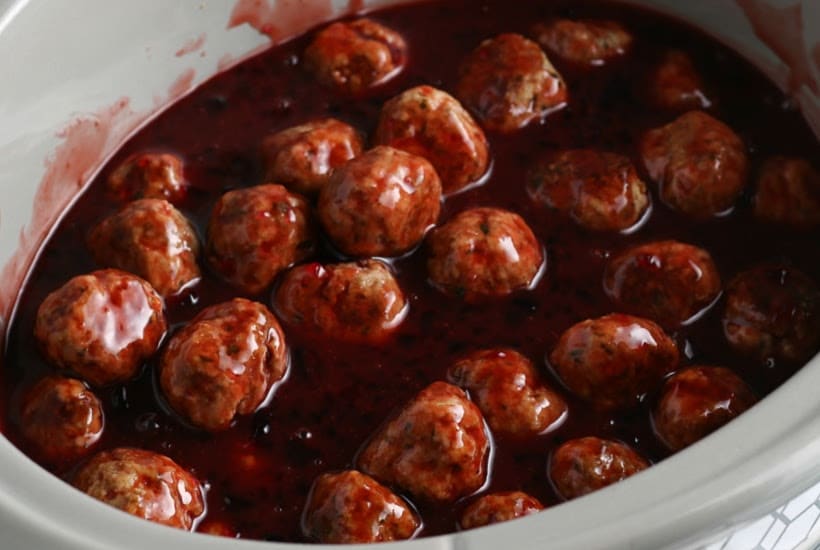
(258, 473)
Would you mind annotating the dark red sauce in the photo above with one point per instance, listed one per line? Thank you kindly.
(258, 473)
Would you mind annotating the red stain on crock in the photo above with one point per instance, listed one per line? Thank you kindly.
(281, 19)
(181, 86)
(781, 28)
(86, 141)
(191, 46)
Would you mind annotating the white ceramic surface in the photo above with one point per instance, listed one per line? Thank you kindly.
(92, 71)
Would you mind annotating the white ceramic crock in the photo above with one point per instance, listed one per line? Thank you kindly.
(78, 76)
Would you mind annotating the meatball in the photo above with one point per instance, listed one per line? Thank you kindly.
(223, 363)
(357, 301)
(600, 191)
(149, 176)
(145, 484)
(667, 281)
(675, 84)
(773, 314)
(436, 448)
(61, 418)
(350, 507)
(612, 361)
(584, 41)
(498, 507)
(256, 233)
(788, 192)
(509, 82)
(381, 203)
(506, 387)
(432, 124)
(152, 239)
(303, 157)
(699, 163)
(483, 253)
(353, 56)
(584, 465)
(102, 325)
(697, 401)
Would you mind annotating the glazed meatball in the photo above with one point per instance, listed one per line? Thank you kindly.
(484, 253)
(436, 448)
(432, 124)
(152, 239)
(356, 302)
(584, 465)
(676, 85)
(773, 313)
(667, 281)
(507, 389)
(498, 507)
(381, 203)
(353, 56)
(145, 484)
(101, 326)
(256, 233)
(303, 157)
(612, 361)
(600, 191)
(697, 401)
(585, 41)
(788, 192)
(698, 162)
(223, 363)
(149, 176)
(61, 418)
(350, 507)
(509, 83)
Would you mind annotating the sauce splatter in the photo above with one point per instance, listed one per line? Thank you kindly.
(191, 46)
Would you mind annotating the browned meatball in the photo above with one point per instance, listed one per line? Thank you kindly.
(432, 124)
(303, 157)
(676, 85)
(697, 401)
(256, 233)
(381, 203)
(149, 176)
(223, 363)
(788, 192)
(350, 507)
(509, 82)
(600, 191)
(152, 239)
(584, 465)
(699, 163)
(773, 313)
(354, 56)
(145, 484)
(506, 387)
(102, 325)
(61, 418)
(436, 448)
(498, 507)
(584, 41)
(483, 253)
(613, 360)
(666, 281)
(357, 301)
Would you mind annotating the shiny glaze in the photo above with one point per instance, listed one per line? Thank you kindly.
(337, 395)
